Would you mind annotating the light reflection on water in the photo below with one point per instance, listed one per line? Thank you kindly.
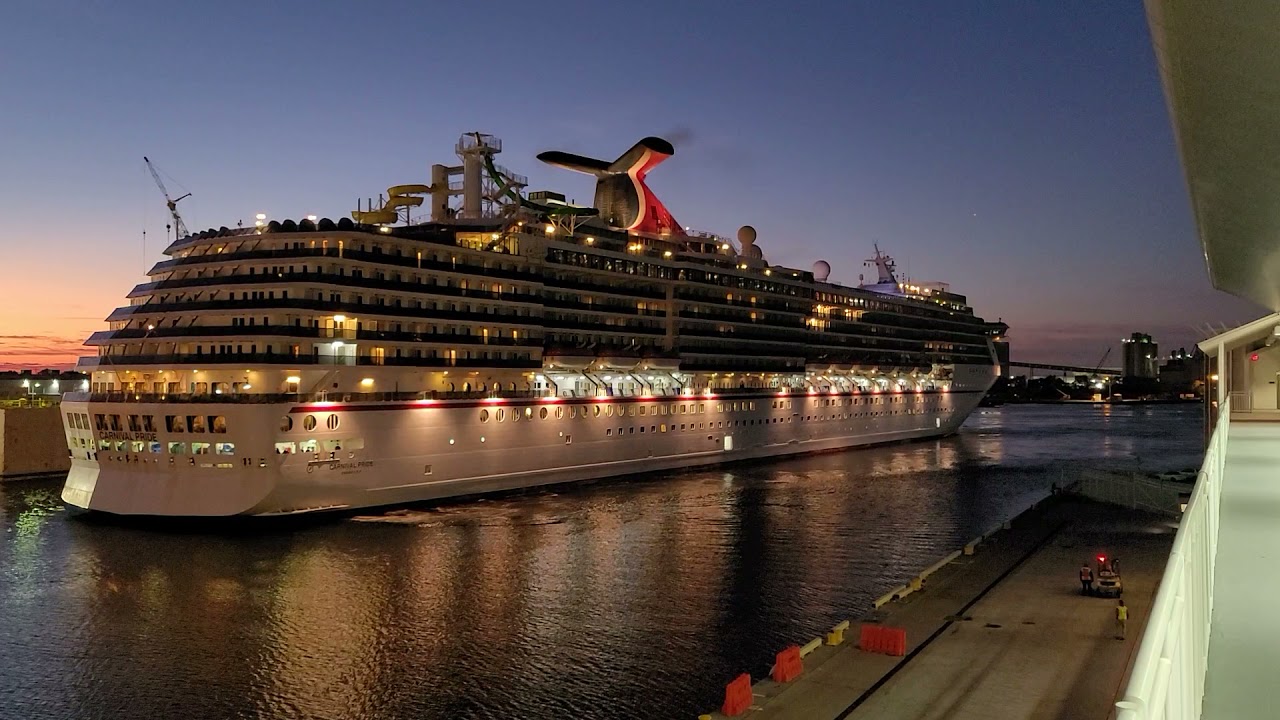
(635, 598)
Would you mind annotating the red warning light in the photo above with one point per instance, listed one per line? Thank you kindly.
(1102, 558)
(1254, 357)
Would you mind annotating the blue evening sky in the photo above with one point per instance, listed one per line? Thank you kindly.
(1020, 151)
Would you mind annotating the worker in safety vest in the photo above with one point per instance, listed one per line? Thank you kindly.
(1086, 579)
(1122, 618)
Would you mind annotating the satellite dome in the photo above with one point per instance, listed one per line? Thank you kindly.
(752, 251)
(821, 270)
(746, 236)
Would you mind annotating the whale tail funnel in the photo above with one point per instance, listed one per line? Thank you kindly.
(622, 197)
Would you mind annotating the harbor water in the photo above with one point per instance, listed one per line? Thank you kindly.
(630, 598)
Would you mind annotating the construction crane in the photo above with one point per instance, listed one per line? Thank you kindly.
(1105, 355)
(179, 227)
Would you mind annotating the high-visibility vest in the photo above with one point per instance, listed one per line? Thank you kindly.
(1122, 612)
(1086, 574)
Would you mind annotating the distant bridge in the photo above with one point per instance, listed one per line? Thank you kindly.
(1066, 369)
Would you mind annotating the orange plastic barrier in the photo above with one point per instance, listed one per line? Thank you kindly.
(788, 665)
(737, 696)
(883, 640)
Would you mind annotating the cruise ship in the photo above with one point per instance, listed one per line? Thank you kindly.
(500, 339)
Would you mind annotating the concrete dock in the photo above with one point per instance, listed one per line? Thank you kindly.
(1002, 633)
(32, 442)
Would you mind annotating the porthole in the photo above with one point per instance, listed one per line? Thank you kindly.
(608, 411)
(286, 424)
(309, 423)
(559, 413)
(484, 415)
(542, 413)
(515, 416)
(597, 413)
(501, 414)
(528, 412)
(331, 422)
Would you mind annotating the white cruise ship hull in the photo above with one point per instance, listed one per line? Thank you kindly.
(339, 456)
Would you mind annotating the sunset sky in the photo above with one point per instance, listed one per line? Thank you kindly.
(1020, 151)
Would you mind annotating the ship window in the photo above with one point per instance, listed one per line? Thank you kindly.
(154, 447)
(120, 446)
(528, 412)
(484, 415)
(115, 423)
(597, 411)
(641, 429)
(608, 432)
(104, 444)
(702, 407)
(199, 448)
(500, 415)
(608, 410)
(309, 423)
(542, 413)
(331, 422)
(573, 411)
(134, 424)
(559, 413)
(196, 423)
(177, 448)
(662, 427)
(286, 448)
(568, 439)
(631, 411)
(286, 423)
(308, 446)
(217, 424)
(137, 446)
(642, 410)
(148, 423)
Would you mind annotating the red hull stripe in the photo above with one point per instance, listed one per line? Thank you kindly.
(543, 402)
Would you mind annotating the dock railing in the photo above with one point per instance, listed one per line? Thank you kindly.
(1167, 681)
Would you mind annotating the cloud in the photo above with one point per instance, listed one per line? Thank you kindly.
(32, 351)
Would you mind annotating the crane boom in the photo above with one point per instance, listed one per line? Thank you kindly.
(180, 228)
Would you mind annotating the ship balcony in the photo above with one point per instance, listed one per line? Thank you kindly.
(326, 307)
(320, 278)
(160, 334)
(289, 360)
(410, 262)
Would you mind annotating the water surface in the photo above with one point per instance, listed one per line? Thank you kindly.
(636, 598)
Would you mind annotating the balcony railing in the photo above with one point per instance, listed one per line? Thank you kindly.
(253, 359)
(1167, 681)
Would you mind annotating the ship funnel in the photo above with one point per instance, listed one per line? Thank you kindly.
(622, 197)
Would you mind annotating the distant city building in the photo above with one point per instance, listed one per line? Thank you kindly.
(26, 384)
(1183, 372)
(1141, 356)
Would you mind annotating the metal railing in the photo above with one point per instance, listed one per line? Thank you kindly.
(1167, 681)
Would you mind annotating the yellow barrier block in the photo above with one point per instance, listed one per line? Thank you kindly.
(810, 646)
(916, 583)
(835, 637)
(841, 626)
(968, 549)
(704, 717)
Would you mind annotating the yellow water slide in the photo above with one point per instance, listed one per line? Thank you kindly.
(398, 196)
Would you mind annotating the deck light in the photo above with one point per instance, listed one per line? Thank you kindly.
(293, 379)
(366, 382)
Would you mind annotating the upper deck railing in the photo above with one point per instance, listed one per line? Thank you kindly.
(1167, 682)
